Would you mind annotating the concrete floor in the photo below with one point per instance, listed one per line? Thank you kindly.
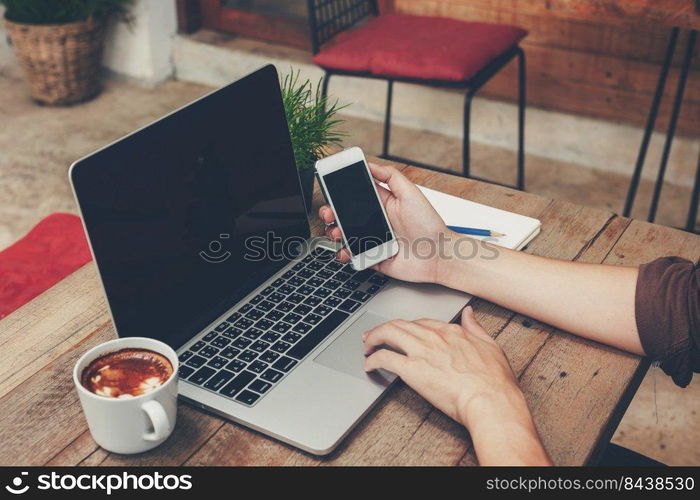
(37, 144)
(543, 176)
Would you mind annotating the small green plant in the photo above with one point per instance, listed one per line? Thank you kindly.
(311, 119)
(60, 11)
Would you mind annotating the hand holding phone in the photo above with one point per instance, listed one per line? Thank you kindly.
(352, 194)
(415, 223)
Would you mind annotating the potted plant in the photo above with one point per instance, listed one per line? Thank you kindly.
(59, 45)
(312, 127)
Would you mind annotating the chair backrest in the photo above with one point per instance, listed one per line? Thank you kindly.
(327, 18)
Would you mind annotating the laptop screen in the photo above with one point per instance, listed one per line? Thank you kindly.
(180, 214)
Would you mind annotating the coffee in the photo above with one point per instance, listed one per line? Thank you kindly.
(126, 373)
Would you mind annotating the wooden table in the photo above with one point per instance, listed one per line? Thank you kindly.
(577, 390)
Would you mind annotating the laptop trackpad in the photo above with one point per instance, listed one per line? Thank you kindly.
(346, 353)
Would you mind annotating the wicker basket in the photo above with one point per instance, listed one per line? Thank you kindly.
(62, 61)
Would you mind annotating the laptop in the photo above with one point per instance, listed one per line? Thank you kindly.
(197, 225)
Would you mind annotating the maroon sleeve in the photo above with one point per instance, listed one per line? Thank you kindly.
(667, 310)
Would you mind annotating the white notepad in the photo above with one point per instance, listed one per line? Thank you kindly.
(518, 229)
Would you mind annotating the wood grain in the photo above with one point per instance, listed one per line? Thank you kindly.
(42, 330)
(577, 390)
(42, 415)
(593, 96)
(594, 58)
(615, 12)
(571, 372)
(599, 59)
(638, 40)
(610, 72)
(567, 230)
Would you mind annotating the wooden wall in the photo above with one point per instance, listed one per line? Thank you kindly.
(604, 69)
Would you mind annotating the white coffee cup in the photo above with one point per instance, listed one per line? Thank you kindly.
(135, 424)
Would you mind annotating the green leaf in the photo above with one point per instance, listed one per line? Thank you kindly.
(311, 119)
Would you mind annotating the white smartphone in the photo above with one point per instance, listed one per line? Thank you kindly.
(350, 190)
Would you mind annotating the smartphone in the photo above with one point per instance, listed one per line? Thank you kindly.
(350, 190)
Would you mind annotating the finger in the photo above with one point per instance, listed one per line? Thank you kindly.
(343, 255)
(326, 214)
(333, 233)
(441, 330)
(408, 327)
(392, 335)
(384, 194)
(381, 267)
(433, 324)
(420, 332)
(397, 182)
(470, 323)
(386, 359)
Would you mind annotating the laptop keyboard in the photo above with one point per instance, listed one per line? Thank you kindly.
(263, 340)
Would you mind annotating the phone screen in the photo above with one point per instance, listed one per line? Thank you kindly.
(357, 208)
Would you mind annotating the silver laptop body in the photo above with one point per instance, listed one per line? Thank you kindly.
(319, 402)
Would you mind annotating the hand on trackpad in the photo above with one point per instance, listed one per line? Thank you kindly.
(346, 353)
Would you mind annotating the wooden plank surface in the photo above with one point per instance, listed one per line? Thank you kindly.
(682, 13)
(595, 58)
(567, 230)
(42, 422)
(639, 40)
(569, 372)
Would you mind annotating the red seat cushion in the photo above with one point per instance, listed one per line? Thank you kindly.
(427, 48)
(52, 250)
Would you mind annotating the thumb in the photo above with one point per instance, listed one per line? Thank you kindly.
(470, 323)
(398, 183)
(384, 194)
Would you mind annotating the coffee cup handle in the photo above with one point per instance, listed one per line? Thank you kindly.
(159, 419)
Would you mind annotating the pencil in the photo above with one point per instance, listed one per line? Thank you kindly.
(475, 232)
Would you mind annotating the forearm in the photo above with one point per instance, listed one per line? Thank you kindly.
(503, 432)
(590, 300)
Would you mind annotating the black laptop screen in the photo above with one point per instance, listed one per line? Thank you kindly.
(175, 213)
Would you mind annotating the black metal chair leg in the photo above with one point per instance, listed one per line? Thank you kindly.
(465, 138)
(387, 118)
(651, 121)
(695, 197)
(324, 87)
(521, 119)
(677, 102)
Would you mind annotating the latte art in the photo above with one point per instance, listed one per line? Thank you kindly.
(126, 373)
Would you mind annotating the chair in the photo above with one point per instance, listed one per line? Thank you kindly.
(434, 51)
(692, 218)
